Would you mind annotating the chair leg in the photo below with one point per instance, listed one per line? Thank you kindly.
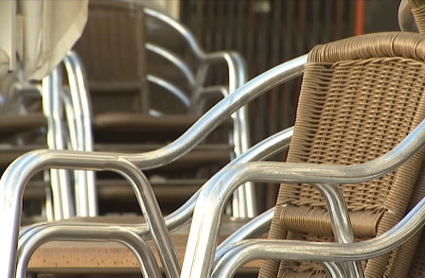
(86, 190)
(51, 92)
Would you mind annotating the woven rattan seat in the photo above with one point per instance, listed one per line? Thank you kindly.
(359, 98)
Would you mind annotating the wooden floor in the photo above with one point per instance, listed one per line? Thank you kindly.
(110, 257)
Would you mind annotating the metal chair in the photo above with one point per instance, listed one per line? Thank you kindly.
(17, 175)
(116, 63)
(204, 226)
(174, 221)
(49, 93)
(333, 86)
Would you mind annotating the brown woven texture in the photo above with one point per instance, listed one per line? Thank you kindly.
(359, 98)
(404, 253)
(112, 49)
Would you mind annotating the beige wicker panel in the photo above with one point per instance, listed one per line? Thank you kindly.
(359, 98)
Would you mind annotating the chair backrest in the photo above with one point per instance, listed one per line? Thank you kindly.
(417, 267)
(112, 49)
(359, 98)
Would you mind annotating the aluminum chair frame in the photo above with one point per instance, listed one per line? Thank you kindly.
(244, 203)
(203, 234)
(41, 235)
(308, 173)
(137, 179)
(406, 21)
(262, 150)
(404, 14)
(50, 93)
(15, 178)
(245, 251)
(204, 230)
(85, 181)
(52, 106)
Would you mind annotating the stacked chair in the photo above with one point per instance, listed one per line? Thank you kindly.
(351, 202)
(147, 81)
(31, 119)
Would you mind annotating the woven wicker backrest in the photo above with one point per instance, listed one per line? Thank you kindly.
(417, 267)
(359, 98)
(112, 49)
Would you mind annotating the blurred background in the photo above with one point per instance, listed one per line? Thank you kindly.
(123, 76)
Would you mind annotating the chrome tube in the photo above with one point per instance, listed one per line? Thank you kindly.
(210, 92)
(170, 88)
(82, 108)
(206, 223)
(175, 60)
(70, 119)
(254, 228)
(405, 18)
(238, 77)
(334, 270)
(14, 179)
(52, 109)
(249, 250)
(238, 254)
(19, 173)
(216, 115)
(245, 203)
(341, 224)
(183, 31)
(80, 185)
(264, 149)
(142, 252)
(18, 91)
(258, 226)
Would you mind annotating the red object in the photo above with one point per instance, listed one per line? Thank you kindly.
(359, 18)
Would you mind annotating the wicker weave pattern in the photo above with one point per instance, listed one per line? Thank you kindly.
(364, 222)
(359, 98)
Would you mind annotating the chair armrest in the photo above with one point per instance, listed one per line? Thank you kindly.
(203, 235)
(235, 63)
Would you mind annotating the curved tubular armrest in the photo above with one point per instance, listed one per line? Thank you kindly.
(248, 250)
(254, 228)
(175, 60)
(206, 222)
(170, 88)
(20, 172)
(38, 237)
(180, 217)
(217, 114)
(184, 32)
